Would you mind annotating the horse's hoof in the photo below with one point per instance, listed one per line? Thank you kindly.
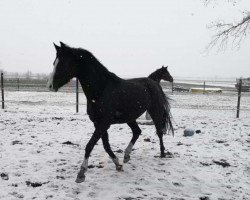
(80, 177)
(166, 155)
(119, 168)
(80, 180)
(163, 155)
(126, 159)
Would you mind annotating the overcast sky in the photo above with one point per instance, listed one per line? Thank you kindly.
(130, 37)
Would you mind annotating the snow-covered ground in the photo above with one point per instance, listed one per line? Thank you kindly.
(35, 164)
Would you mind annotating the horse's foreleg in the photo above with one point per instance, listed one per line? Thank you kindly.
(147, 116)
(106, 145)
(92, 142)
(136, 133)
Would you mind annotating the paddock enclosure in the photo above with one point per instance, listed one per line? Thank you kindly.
(43, 139)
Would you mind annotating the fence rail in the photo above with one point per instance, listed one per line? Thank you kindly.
(2, 90)
(33, 84)
(36, 83)
(10, 83)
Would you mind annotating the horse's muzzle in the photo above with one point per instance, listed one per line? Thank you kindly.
(51, 88)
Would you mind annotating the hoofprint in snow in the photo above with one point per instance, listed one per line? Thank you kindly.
(42, 143)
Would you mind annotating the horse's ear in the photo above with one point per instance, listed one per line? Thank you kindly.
(57, 47)
(63, 46)
(162, 66)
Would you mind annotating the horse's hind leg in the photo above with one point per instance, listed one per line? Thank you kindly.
(136, 133)
(106, 145)
(162, 148)
(157, 118)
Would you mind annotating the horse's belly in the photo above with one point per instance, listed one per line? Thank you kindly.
(126, 119)
(127, 114)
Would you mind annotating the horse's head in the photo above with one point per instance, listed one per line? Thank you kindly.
(165, 75)
(64, 67)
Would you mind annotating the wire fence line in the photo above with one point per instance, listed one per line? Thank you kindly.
(33, 84)
(39, 84)
(29, 82)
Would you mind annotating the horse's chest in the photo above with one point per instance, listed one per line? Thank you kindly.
(95, 111)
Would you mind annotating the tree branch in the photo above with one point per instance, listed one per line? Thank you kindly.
(206, 2)
(229, 32)
(233, 33)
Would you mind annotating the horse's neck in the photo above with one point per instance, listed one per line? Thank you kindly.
(89, 90)
(154, 76)
(94, 82)
(92, 87)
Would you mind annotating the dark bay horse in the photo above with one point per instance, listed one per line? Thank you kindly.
(161, 74)
(110, 100)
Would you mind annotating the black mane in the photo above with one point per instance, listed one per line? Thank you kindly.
(92, 74)
(156, 76)
(85, 56)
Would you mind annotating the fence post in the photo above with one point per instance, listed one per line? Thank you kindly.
(239, 96)
(77, 96)
(2, 89)
(204, 87)
(172, 87)
(17, 84)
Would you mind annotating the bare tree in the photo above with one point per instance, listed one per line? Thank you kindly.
(28, 74)
(206, 2)
(226, 33)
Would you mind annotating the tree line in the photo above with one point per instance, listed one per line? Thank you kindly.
(26, 75)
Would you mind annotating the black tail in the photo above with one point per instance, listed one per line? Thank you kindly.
(162, 101)
(167, 117)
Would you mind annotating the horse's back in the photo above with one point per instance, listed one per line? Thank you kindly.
(152, 86)
(125, 100)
